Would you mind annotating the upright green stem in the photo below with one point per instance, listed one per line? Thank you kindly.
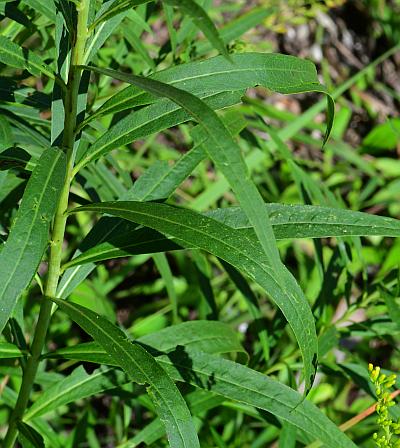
(58, 230)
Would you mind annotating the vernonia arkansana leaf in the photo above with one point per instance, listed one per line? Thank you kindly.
(288, 222)
(142, 368)
(279, 73)
(29, 234)
(191, 229)
(15, 56)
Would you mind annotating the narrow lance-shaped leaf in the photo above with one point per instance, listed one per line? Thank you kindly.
(240, 383)
(191, 229)
(244, 385)
(226, 154)
(15, 56)
(29, 235)
(206, 336)
(147, 121)
(141, 368)
(76, 386)
(288, 222)
(277, 72)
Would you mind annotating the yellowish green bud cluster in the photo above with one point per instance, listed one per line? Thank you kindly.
(387, 437)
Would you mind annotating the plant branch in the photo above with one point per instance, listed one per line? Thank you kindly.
(58, 230)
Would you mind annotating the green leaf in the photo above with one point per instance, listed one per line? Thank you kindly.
(147, 121)
(6, 137)
(29, 437)
(141, 368)
(117, 7)
(287, 437)
(202, 21)
(46, 8)
(382, 137)
(19, 57)
(277, 72)
(199, 402)
(76, 386)
(191, 229)
(8, 350)
(237, 27)
(102, 33)
(206, 336)
(309, 221)
(29, 234)
(239, 383)
(164, 269)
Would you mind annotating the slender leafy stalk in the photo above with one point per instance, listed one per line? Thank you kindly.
(59, 224)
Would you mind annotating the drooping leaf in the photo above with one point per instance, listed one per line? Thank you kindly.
(158, 182)
(15, 56)
(29, 234)
(277, 72)
(239, 383)
(191, 229)
(142, 368)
